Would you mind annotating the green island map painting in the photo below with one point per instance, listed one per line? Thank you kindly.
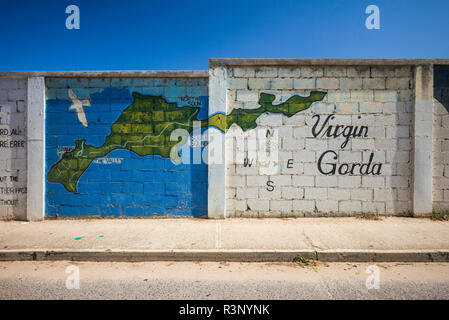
(145, 126)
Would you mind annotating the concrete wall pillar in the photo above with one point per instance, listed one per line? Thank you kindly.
(422, 144)
(216, 145)
(35, 148)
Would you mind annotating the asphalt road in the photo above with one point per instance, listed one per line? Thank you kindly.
(190, 280)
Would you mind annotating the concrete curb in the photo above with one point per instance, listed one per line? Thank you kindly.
(227, 255)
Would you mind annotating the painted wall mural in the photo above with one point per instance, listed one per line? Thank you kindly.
(108, 145)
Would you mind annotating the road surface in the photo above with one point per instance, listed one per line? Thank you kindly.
(210, 280)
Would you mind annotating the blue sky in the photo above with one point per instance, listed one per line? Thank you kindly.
(182, 35)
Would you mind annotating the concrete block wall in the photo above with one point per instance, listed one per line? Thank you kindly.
(386, 120)
(441, 139)
(13, 147)
(378, 99)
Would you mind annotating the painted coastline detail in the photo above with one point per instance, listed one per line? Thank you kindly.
(144, 128)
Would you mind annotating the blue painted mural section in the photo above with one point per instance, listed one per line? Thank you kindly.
(122, 183)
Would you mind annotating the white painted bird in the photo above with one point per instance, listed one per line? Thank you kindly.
(77, 105)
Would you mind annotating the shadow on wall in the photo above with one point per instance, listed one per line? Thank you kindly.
(441, 85)
(400, 161)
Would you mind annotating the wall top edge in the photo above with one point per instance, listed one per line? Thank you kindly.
(108, 74)
(216, 62)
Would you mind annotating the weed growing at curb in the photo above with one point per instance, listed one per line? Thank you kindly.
(370, 216)
(439, 215)
(300, 259)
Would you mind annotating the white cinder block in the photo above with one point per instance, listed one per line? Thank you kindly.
(301, 132)
(291, 193)
(286, 72)
(350, 206)
(362, 194)
(290, 143)
(258, 84)
(247, 95)
(17, 94)
(282, 180)
(338, 194)
(362, 95)
(327, 205)
(370, 107)
(304, 205)
(323, 108)
(338, 96)
(315, 193)
(239, 205)
(256, 181)
(373, 83)
(386, 144)
(281, 205)
(326, 181)
(398, 156)
(304, 84)
(247, 193)
(398, 83)
(334, 71)
(258, 205)
(316, 144)
(349, 181)
(373, 207)
(398, 207)
(238, 83)
(240, 169)
(385, 96)
(382, 71)
(404, 195)
(230, 193)
(236, 181)
(358, 71)
(397, 182)
(362, 144)
(398, 132)
(350, 156)
(347, 107)
(403, 72)
(265, 194)
(373, 182)
(437, 195)
(351, 83)
(305, 156)
(280, 83)
(327, 83)
(244, 72)
(8, 84)
(303, 181)
(311, 71)
(266, 72)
